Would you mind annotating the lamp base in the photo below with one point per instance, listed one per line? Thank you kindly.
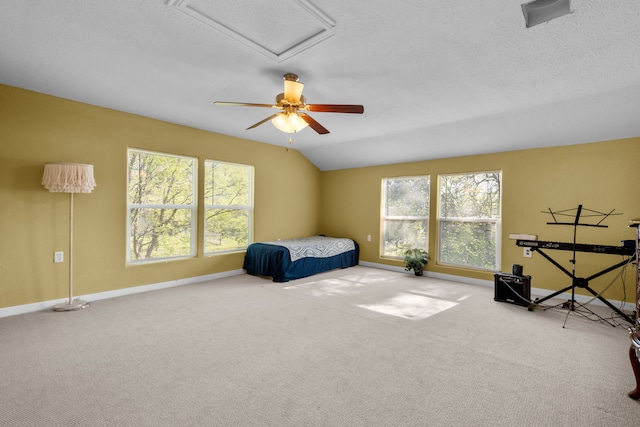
(76, 304)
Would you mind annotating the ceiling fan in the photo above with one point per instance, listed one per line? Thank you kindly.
(293, 106)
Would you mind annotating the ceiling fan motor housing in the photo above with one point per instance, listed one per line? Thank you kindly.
(281, 101)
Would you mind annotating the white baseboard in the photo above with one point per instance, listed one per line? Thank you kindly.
(48, 305)
(535, 292)
(441, 276)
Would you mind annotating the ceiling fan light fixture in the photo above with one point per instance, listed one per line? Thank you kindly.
(289, 122)
(293, 91)
(539, 11)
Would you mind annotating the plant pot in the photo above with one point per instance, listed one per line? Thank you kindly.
(418, 273)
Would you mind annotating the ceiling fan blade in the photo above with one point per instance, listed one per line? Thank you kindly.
(314, 124)
(244, 104)
(262, 121)
(335, 108)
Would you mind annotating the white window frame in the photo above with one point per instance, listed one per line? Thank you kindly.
(384, 217)
(192, 207)
(247, 208)
(496, 221)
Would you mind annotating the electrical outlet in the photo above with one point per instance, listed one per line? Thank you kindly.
(527, 253)
(58, 257)
(368, 237)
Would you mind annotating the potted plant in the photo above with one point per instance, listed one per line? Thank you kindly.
(416, 259)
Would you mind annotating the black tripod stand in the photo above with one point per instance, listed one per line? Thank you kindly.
(579, 282)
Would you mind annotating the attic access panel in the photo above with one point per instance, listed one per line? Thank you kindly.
(276, 29)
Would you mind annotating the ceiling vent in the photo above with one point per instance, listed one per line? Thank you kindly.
(276, 29)
(539, 11)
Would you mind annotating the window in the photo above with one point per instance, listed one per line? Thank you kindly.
(469, 220)
(161, 206)
(228, 198)
(405, 214)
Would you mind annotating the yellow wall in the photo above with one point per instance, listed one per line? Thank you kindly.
(600, 176)
(36, 129)
(292, 199)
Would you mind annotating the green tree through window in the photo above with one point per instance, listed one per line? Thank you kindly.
(405, 214)
(469, 220)
(228, 197)
(161, 206)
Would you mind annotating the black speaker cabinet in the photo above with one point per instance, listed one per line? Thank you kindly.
(512, 289)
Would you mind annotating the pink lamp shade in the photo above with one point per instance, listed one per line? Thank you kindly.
(68, 178)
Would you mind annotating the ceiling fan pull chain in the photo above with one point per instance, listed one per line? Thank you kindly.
(286, 147)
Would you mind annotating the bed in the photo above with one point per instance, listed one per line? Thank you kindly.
(285, 260)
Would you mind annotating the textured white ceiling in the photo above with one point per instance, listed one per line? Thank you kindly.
(438, 78)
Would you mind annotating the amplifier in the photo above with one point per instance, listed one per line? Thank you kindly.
(512, 289)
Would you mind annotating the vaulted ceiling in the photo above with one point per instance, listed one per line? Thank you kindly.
(437, 78)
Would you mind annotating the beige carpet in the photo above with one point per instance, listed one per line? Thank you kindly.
(353, 347)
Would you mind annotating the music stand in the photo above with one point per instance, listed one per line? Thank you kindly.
(579, 282)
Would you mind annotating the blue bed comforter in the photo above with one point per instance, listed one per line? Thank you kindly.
(294, 259)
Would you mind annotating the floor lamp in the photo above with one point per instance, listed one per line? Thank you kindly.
(69, 178)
